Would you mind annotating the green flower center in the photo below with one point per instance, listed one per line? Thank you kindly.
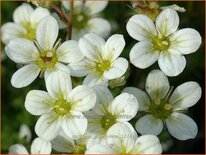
(31, 31)
(161, 43)
(102, 66)
(80, 19)
(62, 107)
(107, 121)
(79, 149)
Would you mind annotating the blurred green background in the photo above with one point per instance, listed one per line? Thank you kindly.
(14, 113)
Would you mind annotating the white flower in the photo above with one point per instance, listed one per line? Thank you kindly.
(38, 146)
(42, 56)
(26, 20)
(61, 107)
(25, 132)
(102, 61)
(85, 18)
(108, 111)
(121, 140)
(162, 41)
(163, 105)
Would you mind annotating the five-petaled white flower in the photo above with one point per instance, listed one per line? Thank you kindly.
(41, 56)
(38, 146)
(26, 20)
(109, 110)
(164, 42)
(121, 140)
(85, 18)
(61, 108)
(101, 62)
(163, 105)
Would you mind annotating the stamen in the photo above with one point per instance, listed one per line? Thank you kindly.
(38, 46)
(165, 43)
(167, 107)
(49, 54)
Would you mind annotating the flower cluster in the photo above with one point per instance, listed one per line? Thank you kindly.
(85, 118)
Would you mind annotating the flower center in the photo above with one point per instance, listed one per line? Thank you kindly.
(62, 107)
(102, 66)
(80, 19)
(107, 121)
(79, 149)
(161, 43)
(31, 31)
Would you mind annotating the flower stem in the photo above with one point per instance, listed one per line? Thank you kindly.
(60, 13)
(69, 30)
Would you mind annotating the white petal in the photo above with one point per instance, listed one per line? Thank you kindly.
(124, 106)
(11, 31)
(17, 149)
(174, 7)
(95, 6)
(25, 75)
(100, 149)
(171, 64)
(181, 126)
(22, 13)
(47, 32)
(185, 95)
(38, 102)
(25, 133)
(142, 54)
(59, 85)
(91, 46)
(66, 4)
(167, 22)
(147, 144)
(38, 14)
(94, 79)
(69, 52)
(157, 84)
(21, 50)
(40, 146)
(99, 26)
(74, 125)
(83, 98)
(114, 47)
(141, 27)
(186, 41)
(149, 125)
(141, 96)
(47, 126)
(117, 69)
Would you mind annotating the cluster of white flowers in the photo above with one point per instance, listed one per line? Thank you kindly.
(87, 119)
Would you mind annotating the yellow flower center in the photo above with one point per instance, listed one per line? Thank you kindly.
(79, 149)
(161, 43)
(102, 66)
(31, 31)
(62, 107)
(107, 121)
(80, 19)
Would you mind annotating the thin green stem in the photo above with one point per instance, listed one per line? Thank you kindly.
(69, 31)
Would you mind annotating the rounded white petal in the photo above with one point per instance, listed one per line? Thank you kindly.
(25, 76)
(40, 146)
(141, 27)
(181, 126)
(47, 32)
(38, 102)
(149, 125)
(117, 69)
(59, 85)
(94, 79)
(38, 14)
(100, 149)
(99, 26)
(167, 22)
(95, 7)
(66, 4)
(74, 125)
(69, 52)
(185, 95)
(142, 55)
(171, 64)
(48, 126)
(11, 31)
(142, 98)
(17, 149)
(124, 106)
(25, 133)
(157, 84)
(186, 41)
(114, 47)
(22, 13)
(91, 46)
(21, 50)
(147, 144)
(83, 98)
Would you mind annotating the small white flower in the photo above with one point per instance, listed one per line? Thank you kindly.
(85, 18)
(26, 20)
(121, 140)
(42, 56)
(61, 107)
(38, 146)
(163, 105)
(102, 62)
(162, 41)
(25, 132)
(108, 111)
